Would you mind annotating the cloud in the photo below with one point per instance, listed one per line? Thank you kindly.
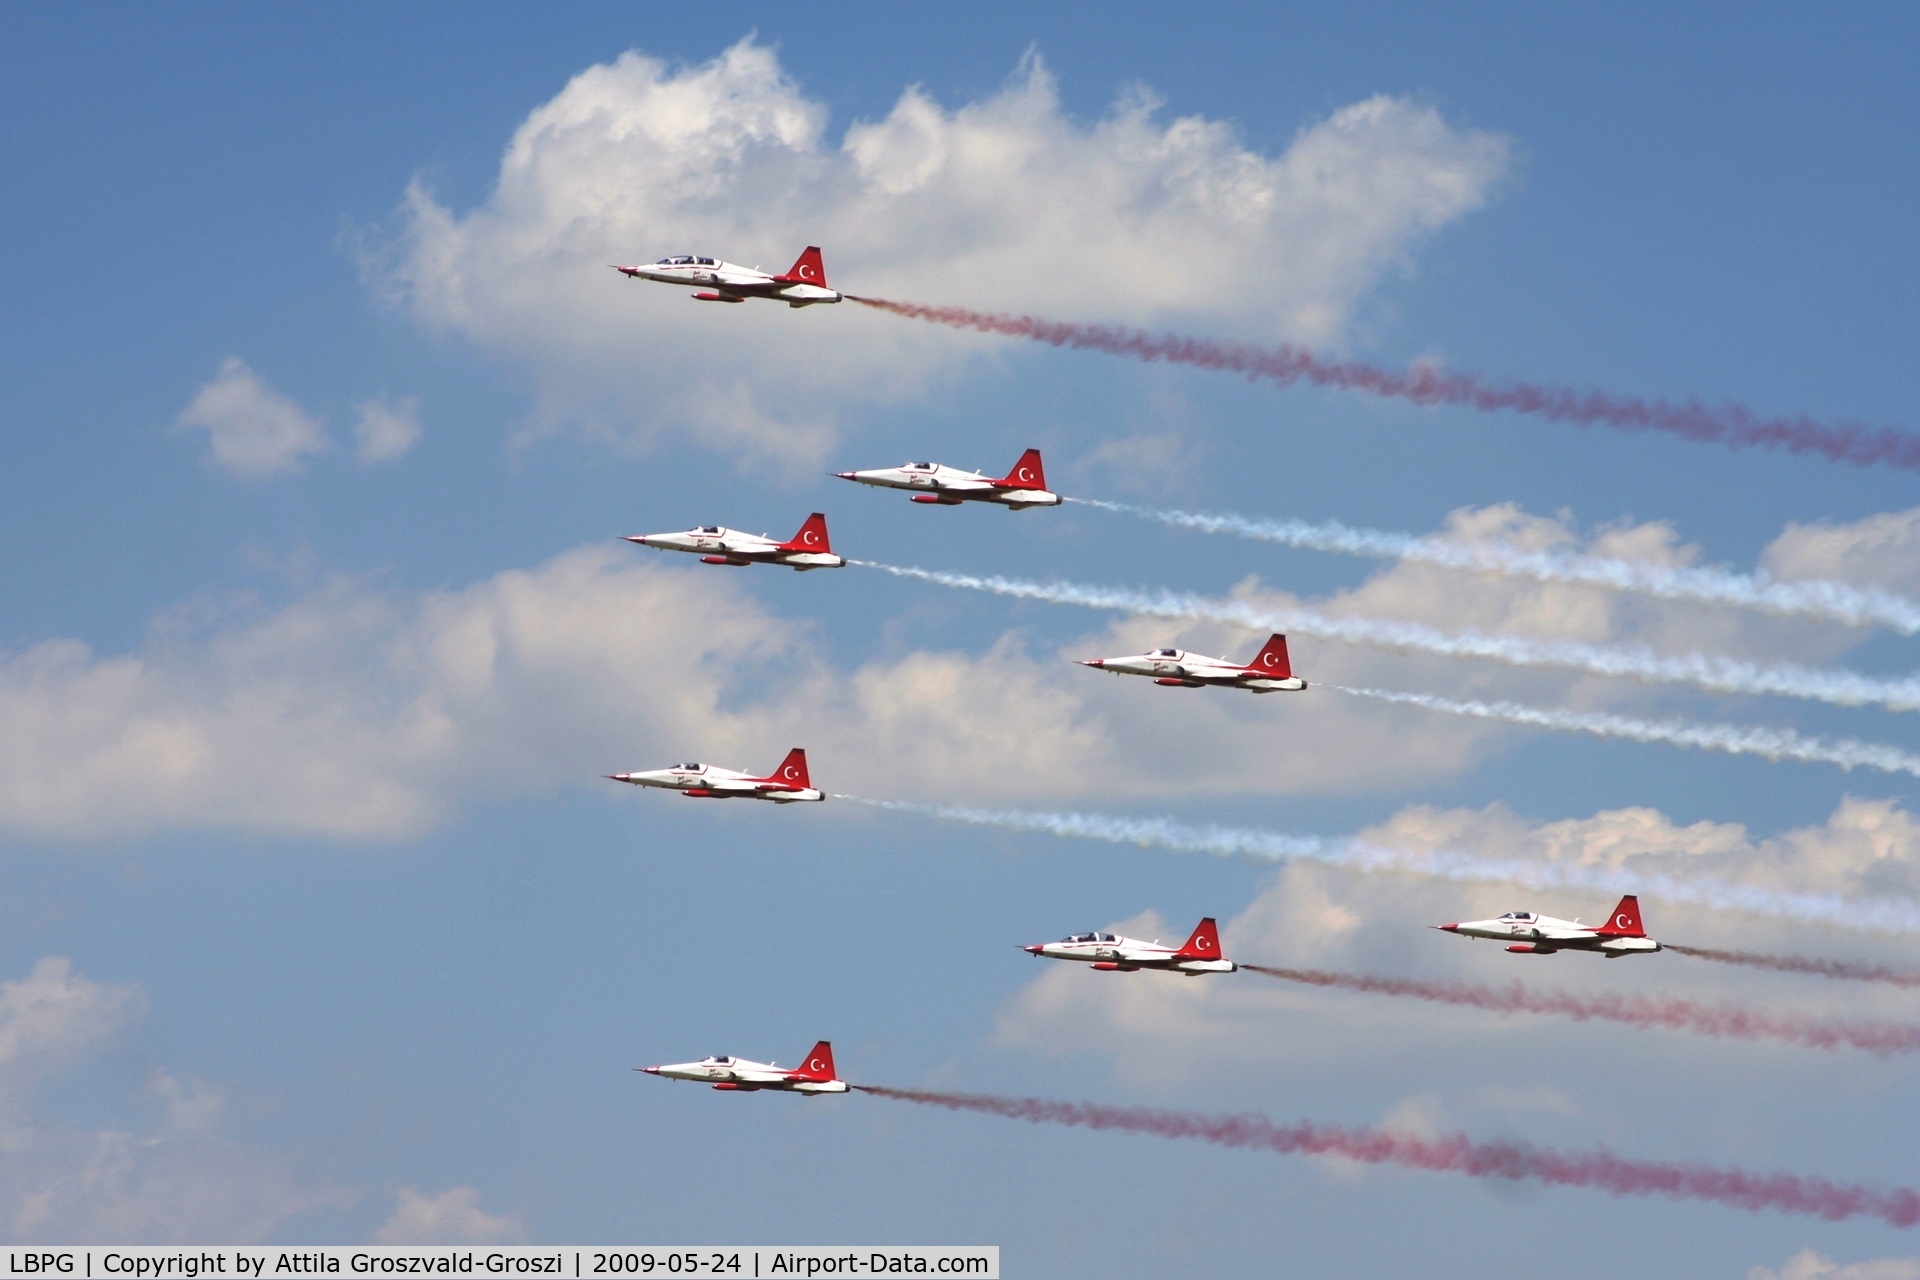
(1004, 202)
(1808, 1265)
(1881, 549)
(48, 1019)
(254, 431)
(169, 1180)
(1865, 848)
(387, 428)
(452, 1217)
(360, 714)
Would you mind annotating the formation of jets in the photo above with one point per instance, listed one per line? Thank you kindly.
(804, 284)
(1024, 485)
(1537, 935)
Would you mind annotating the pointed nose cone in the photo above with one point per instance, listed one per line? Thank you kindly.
(1092, 662)
(848, 475)
(652, 1071)
(617, 777)
(640, 538)
(1450, 928)
(1033, 950)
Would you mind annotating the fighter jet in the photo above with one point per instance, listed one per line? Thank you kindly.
(1110, 953)
(804, 284)
(785, 785)
(1024, 486)
(1534, 935)
(737, 1075)
(807, 549)
(1269, 672)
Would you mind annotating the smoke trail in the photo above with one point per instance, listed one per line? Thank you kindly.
(1713, 672)
(1820, 598)
(1600, 1170)
(1885, 915)
(1647, 1012)
(1816, 966)
(1771, 744)
(1733, 425)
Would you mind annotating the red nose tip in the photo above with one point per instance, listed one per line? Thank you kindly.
(1093, 662)
(1033, 950)
(652, 1071)
(1450, 928)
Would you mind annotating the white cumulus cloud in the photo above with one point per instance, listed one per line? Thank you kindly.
(1809, 1265)
(1004, 203)
(173, 1179)
(387, 429)
(360, 713)
(452, 1217)
(254, 431)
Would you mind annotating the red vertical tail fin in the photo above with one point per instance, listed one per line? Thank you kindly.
(808, 268)
(793, 769)
(1625, 921)
(1027, 473)
(812, 536)
(1204, 944)
(817, 1065)
(1272, 660)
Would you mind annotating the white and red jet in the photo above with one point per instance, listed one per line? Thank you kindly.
(807, 549)
(785, 785)
(1024, 486)
(804, 284)
(1269, 672)
(737, 1075)
(1111, 953)
(1535, 935)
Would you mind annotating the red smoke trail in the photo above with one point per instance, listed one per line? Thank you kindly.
(1730, 424)
(1456, 1153)
(1850, 970)
(1729, 1021)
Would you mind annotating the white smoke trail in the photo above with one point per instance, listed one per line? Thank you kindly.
(1821, 598)
(1714, 672)
(1883, 915)
(1772, 744)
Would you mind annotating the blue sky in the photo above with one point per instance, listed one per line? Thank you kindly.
(322, 418)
